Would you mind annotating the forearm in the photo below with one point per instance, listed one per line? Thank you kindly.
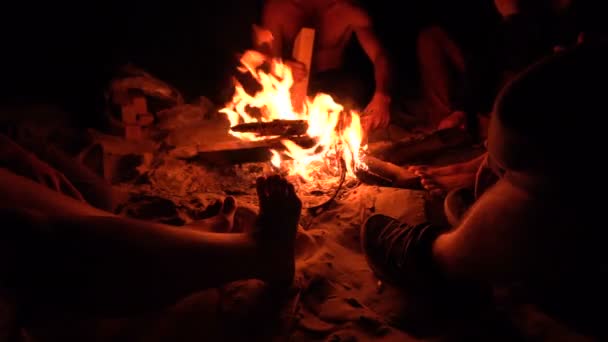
(382, 74)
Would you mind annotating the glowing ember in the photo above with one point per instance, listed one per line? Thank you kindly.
(336, 133)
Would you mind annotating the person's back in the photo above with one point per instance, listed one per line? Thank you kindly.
(542, 135)
(538, 227)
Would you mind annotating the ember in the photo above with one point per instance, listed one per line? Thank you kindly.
(336, 133)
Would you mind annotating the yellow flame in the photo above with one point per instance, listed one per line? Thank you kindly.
(276, 159)
(336, 134)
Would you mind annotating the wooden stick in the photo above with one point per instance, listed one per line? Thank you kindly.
(408, 150)
(399, 177)
(302, 52)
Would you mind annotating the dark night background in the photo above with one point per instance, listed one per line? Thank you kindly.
(64, 52)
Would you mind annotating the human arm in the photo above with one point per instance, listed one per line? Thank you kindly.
(270, 38)
(21, 161)
(509, 46)
(379, 106)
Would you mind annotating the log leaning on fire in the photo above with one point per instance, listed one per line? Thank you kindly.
(384, 173)
(284, 128)
(240, 151)
(408, 150)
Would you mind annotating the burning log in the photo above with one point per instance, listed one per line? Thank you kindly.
(240, 151)
(284, 128)
(388, 174)
(405, 151)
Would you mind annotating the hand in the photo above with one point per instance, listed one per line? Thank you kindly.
(298, 70)
(262, 36)
(44, 174)
(378, 111)
(507, 7)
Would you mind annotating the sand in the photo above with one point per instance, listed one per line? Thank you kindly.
(335, 296)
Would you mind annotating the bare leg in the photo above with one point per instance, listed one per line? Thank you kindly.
(441, 61)
(65, 254)
(223, 222)
(96, 190)
(445, 178)
(545, 241)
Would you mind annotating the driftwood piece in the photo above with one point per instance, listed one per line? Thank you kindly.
(285, 128)
(388, 174)
(406, 151)
(239, 151)
(302, 52)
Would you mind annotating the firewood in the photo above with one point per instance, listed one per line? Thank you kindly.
(283, 128)
(406, 151)
(302, 52)
(389, 174)
(240, 151)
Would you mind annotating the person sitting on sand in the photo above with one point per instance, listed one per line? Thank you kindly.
(440, 180)
(61, 253)
(535, 229)
(335, 23)
(461, 77)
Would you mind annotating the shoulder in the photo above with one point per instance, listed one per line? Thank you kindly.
(354, 13)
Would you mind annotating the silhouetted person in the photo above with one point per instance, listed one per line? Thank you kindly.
(536, 230)
(335, 23)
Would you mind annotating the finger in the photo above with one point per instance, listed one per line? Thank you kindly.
(275, 185)
(417, 169)
(428, 183)
(57, 182)
(70, 189)
(51, 182)
(419, 173)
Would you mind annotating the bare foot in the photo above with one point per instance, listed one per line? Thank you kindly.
(466, 167)
(276, 226)
(440, 185)
(244, 220)
(439, 180)
(223, 222)
(456, 119)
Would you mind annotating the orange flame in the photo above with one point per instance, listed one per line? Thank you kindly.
(334, 137)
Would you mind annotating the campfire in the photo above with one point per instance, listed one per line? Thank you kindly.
(319, 139)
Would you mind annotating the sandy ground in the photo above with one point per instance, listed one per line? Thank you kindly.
(335, 296)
